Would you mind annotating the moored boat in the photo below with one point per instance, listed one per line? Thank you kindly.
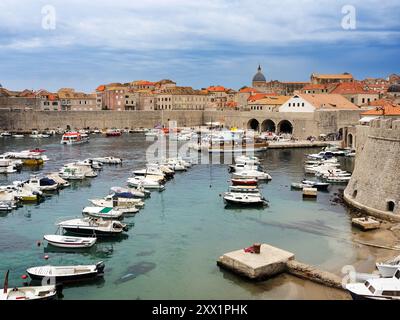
(67, 273)
(93, 226)
(103, 212)
(72, 138)
(63, 241)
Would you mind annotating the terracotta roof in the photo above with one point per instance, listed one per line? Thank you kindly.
(329, 101)
(315, 87)
(390, 110)
(144, 83)
(101, 88)
(182, 91)
(217, 89)
(272, 100)
(248, 89)
(259, 96)
(231, 104)
(350, 88)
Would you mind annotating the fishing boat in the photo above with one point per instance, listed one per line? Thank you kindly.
(244, 181)
(376, 288)
(244, 199)
(321, 186)
(72, 138)
(252, 174)
(63, 241)
(113, 133)
(103, 212)
(67, 273)
(24, 193)
(145, 183)
(93, 226)
(27, 293)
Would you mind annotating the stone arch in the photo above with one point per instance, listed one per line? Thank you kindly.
(285, 126)
(268, 125)
(390, 206)
(350, 140)
(253, 124)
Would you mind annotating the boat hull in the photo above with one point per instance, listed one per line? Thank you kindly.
(87, 231)
(69, 278)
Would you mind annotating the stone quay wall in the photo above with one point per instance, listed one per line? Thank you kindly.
(40, 120)
(375, 183)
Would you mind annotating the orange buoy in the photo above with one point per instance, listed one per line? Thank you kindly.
(24, 276)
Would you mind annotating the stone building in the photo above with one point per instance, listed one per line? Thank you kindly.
(77, 101)
(331, 78)
(18, 100)
(281, 88)
(181, 98)
(266, 103)
(374, 186)
(354, 92)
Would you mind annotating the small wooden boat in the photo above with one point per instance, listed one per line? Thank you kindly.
(69, 242)
(27, 293)
(244, 182)
(67, 273)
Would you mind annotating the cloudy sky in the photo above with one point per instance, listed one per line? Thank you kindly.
(195, 43)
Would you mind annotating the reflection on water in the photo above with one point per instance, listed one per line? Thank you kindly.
(171, 250)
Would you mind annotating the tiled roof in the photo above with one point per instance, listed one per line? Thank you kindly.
(259, 96)
(389, 108)
(311, 86)
(272, 100)
(350, 88)
(217, 89)
(248, 89)
(101, 88)
(329, 101)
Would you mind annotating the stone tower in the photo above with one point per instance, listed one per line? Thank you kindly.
(375, 184)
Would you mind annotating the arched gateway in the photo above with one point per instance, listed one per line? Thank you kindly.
(253, 124)
(268, 125)
(285, 126)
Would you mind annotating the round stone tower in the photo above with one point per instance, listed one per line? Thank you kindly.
(375, 184)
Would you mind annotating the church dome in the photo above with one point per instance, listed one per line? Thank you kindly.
(259, 76)
(394, 88)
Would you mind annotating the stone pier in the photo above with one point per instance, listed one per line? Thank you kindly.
(272, 261)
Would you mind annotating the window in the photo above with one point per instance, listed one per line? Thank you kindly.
(372, 289)
(390, 206)
(302, 104)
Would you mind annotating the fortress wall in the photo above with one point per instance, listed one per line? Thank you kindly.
(376, 178)
(28, 120)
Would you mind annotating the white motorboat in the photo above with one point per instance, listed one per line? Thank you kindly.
(299, 186)
(60, 181)
(116, 201)
(150, 171)
(63, 241)
(5, 134)
(93, 226)
(136, 192)
(73, 138)
(82, 167)
(376, 288)
(27, 293)
(239, 167)
(42, 183)
(145, 182)
(7, 169)
(67, 273)
(108, 160)
(321, 186)
(252, 174)
(71, 173)
(244, 189)
(244, 199)
(7, 199)
(18, 136)
(102, 212)
(248, 160)
(321, 155)
(338, 179)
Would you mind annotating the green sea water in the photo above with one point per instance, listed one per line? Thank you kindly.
(171, 248)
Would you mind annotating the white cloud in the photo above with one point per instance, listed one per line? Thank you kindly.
(190, 24)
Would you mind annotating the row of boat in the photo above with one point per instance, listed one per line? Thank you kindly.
(247, 173)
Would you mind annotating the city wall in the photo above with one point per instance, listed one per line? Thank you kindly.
(28, 120)
(374, 186)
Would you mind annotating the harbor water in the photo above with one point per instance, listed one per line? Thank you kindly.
(172, 245)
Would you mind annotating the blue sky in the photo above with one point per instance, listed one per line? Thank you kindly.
(196, 43)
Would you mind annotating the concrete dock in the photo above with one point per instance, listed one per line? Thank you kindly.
(272, 261)
(269, 262)
(366, 223)
(297, 144)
